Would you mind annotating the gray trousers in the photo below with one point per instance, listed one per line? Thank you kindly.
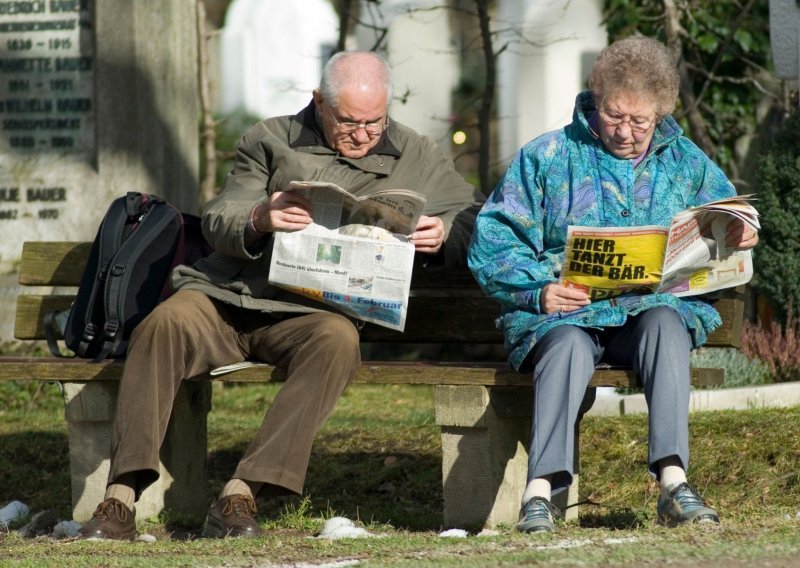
(189, 334)
(655, 344)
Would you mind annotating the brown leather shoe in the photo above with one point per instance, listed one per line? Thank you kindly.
(111, 520)
(232, 516)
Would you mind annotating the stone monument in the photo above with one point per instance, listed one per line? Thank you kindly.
(97, 98)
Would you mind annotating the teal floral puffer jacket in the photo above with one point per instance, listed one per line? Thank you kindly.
(567, 177)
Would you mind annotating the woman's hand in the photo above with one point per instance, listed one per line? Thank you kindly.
(740, 235)
(557, 298)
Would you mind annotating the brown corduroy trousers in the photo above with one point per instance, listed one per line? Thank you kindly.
(189, 334)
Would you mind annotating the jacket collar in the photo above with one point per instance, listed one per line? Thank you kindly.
(305, 132)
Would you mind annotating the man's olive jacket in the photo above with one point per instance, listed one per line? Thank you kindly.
(279, 150)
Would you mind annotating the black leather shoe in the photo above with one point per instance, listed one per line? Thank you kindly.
(111, 520)
(233, 515)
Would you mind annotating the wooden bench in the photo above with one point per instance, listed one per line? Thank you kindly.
(483, 408)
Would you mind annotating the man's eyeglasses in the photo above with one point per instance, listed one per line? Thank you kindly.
(371, 128)
(638, 124)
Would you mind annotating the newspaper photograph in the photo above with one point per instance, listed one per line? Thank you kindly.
(355, 255)
(687, 258)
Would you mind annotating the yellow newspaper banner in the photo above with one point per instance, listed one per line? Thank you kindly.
(609, 262)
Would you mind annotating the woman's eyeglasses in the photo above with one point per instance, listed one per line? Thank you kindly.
(637, 124)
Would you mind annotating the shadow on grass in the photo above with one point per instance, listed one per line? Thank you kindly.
(34, 469)
(403, 490)
(612, 519)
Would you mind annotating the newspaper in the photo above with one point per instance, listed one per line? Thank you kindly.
(355, 255)
(687, 258)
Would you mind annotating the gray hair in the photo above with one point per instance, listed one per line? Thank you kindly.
(331, 83)
(638, 66)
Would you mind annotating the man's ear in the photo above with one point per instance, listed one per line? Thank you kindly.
(317, 97)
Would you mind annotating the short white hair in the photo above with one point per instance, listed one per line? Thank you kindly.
(331, 83)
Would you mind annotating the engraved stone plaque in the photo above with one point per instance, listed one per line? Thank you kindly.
(47, 120)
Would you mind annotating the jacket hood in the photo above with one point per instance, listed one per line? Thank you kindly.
(666, 131)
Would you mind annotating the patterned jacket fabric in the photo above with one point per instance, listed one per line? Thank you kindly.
(567, 177)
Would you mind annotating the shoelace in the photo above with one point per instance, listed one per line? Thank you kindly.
(241, 506)
(687, 498)
(117, 508)
(536, 509)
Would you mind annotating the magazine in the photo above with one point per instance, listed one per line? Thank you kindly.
(355, 255)
(687, 258)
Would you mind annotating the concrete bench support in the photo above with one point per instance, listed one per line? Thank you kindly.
(181, 489)
(485, 435)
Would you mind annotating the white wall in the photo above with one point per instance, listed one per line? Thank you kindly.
(539, 78)
(423, 61)
(272, 52)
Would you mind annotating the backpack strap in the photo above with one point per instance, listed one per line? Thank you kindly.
(50, 323)
(111, 236)
(119, 275)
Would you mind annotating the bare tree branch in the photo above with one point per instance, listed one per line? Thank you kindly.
(208, 189)
(697, 124)
(723, 48)
(487, 100)
(345, 15)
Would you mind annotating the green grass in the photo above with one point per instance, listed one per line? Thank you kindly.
(377, 461)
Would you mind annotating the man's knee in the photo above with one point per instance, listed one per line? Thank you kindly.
(175, 314)
(335, 330)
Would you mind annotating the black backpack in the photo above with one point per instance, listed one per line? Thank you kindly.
(140, 239)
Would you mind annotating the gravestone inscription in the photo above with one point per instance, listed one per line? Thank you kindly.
(47, 117)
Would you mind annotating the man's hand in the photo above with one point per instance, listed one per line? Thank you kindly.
(429, 235)
(283, 211)
(740, 235)
(557, 298)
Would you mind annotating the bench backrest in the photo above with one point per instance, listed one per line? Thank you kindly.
(446, 306)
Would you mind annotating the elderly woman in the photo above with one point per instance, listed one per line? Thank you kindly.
(621, 162)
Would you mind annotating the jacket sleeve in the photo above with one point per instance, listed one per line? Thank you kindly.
(451, 198)
(225, 217)
(507, 254)
(710, 182)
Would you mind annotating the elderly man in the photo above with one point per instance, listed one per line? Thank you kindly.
(224, 310)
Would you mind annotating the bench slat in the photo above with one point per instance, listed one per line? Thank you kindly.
(46, 263)
(372, 372)
(428, 321)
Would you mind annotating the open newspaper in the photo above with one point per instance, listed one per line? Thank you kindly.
(687, 258)
(355, 255)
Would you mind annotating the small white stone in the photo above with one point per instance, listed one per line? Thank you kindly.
(334, 523)
(146, 538)
(454, 533)
(347, 532)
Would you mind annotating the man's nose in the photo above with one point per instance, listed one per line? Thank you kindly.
(360, 135)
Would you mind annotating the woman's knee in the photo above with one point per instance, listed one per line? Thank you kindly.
(564, 339)
(663, 322)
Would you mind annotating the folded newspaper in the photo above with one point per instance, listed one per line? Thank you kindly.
(687, 258)
(355, 255)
